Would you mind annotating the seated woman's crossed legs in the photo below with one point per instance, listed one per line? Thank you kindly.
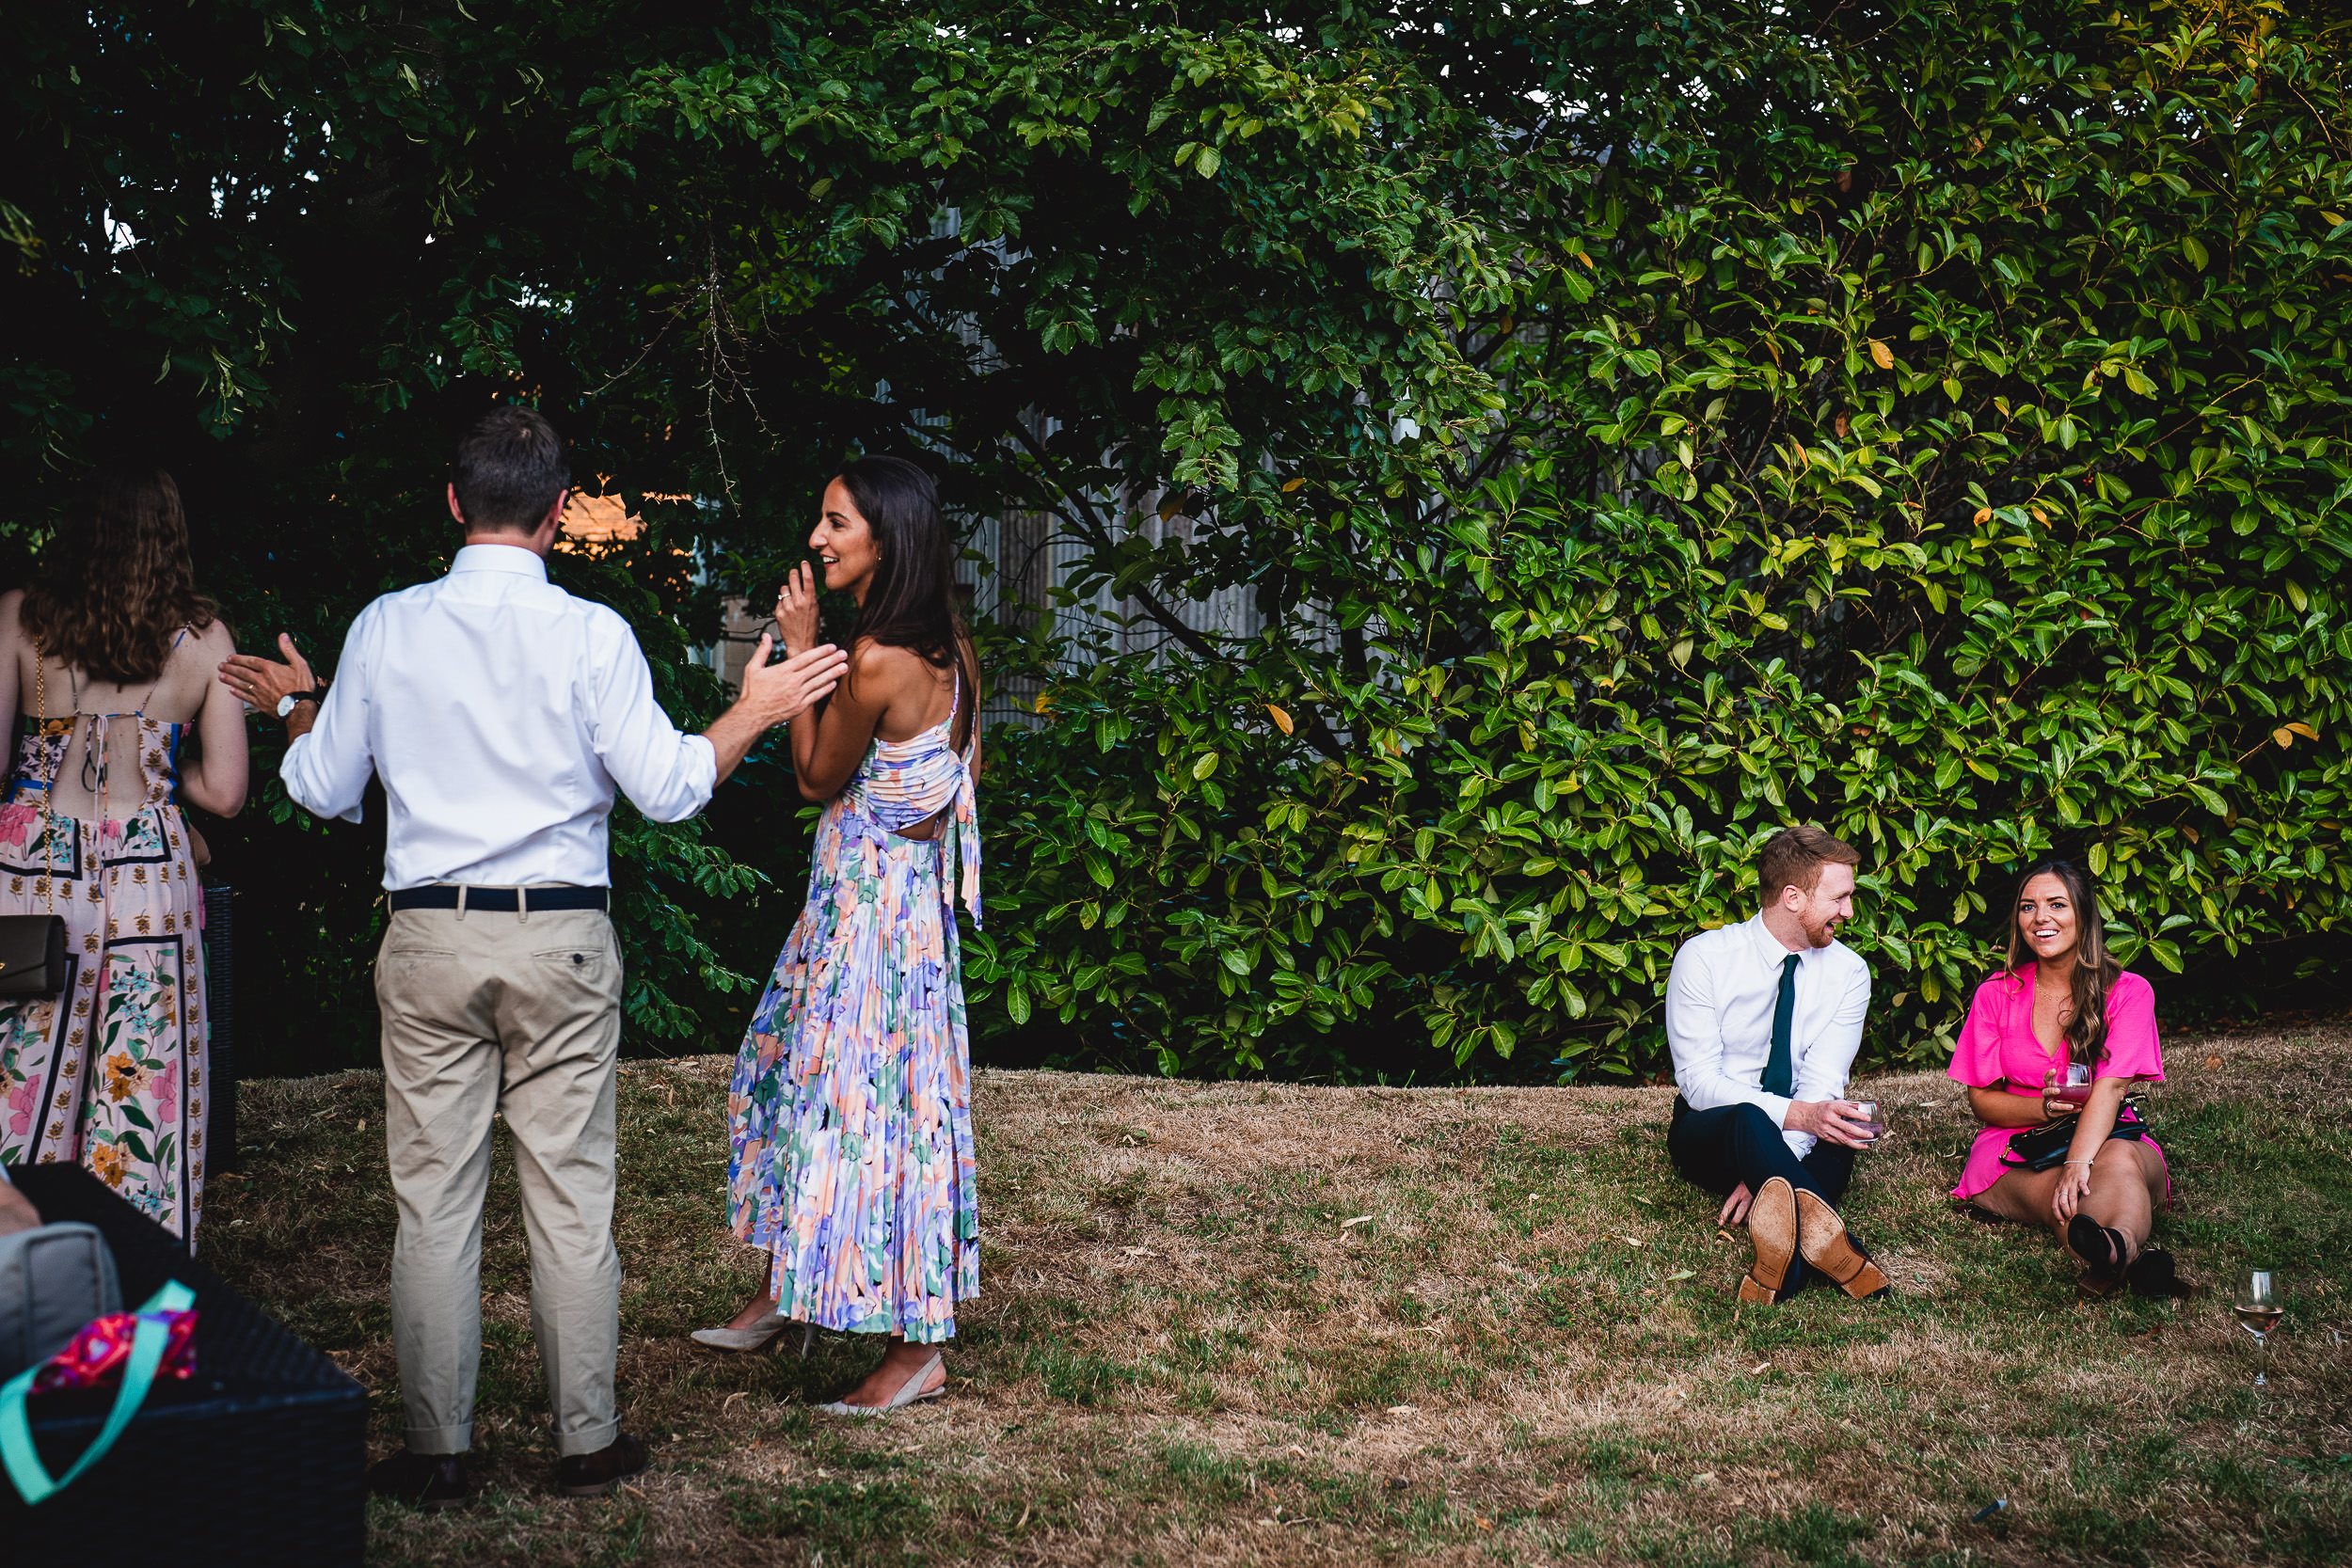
(2127, 1187)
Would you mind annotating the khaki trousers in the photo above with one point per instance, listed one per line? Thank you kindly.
(519, 1014)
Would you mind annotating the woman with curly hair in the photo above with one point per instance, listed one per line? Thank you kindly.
(2062, 999)
(109, 658)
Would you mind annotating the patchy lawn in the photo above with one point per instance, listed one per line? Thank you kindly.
(1263, 1324)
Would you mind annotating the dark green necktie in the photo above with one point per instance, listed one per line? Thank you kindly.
(1779, 1074)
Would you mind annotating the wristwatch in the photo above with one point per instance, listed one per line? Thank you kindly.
(286, 704)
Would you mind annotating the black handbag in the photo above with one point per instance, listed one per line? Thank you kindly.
(32, 955)
(2044, 1148)
(32, 947)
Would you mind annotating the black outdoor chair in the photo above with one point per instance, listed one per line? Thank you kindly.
(259, 1459)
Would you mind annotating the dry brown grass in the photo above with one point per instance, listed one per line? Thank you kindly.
(1522, 1349)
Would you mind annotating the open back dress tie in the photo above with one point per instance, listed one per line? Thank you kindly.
(851, 1107)
(111, 1072)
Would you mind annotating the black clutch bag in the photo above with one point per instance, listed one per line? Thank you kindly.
(32, 947)
(32, 955)
(2044, 1148)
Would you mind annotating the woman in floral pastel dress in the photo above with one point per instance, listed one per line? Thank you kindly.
(851, 1107)
(109, 656)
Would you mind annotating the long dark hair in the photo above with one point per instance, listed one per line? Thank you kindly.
(116, 583)
(2085, 1025)
(911, 602)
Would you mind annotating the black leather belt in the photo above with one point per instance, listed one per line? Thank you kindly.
(502, 900)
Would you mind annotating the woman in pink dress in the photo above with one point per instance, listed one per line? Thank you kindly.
(2062, 999)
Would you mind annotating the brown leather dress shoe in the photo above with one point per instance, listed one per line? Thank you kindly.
(1772, 1226)
(593, 1475)
(1822, 1238)
(434, 1483)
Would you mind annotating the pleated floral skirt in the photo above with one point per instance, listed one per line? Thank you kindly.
(851, 1106)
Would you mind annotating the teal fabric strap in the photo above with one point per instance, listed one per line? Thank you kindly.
(17, 1452)
(1779, 1070)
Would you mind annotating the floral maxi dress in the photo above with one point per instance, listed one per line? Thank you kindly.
(111, 1070)
(851, 1106)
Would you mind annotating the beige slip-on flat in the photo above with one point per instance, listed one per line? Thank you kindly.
(741, 1339)
(909, 1392)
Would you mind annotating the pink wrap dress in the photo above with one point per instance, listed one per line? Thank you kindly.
(1997, 1047)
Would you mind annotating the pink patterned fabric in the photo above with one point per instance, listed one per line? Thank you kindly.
(99, 1352)
(112, 1072)
(1997, 1048)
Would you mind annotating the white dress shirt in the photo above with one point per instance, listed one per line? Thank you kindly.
(500, 713)
(1719, 1021)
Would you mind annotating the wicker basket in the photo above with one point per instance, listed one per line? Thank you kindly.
(260, 1458)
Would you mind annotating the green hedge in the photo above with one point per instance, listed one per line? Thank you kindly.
(1637, 425)
(1937, 435)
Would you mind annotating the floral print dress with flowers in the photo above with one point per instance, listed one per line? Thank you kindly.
(851, 1107)
(111, 1070)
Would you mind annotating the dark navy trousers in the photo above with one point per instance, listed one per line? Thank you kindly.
(1738, 1145)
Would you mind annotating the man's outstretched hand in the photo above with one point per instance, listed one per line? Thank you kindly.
(773, 694)
(260, 682)
(780, 693)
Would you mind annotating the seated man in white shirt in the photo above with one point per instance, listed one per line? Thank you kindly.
(502, 714)
(1764, 1019)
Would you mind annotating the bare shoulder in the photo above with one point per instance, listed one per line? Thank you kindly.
(214, 642)
(11, 610)
(891, 672)
(200, 651)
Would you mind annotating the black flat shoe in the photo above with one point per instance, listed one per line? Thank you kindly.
(2153, 1274)
(594, 1475)
(434, 1483)
(2103, 1251)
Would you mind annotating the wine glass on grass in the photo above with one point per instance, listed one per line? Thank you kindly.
(2258, 1311)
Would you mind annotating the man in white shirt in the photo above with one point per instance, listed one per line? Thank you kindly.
(1764, 1019)
(502, 714)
